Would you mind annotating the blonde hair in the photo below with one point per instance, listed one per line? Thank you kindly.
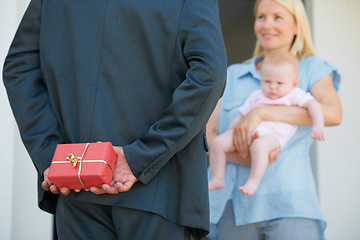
(302, 46)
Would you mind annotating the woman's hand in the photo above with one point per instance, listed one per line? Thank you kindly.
(235, 157)
(242, 137)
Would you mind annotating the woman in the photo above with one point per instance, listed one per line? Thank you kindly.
(285, 205)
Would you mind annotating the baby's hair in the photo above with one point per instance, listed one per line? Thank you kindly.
(280, 58)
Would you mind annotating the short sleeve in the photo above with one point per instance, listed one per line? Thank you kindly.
(299, 97)
(249, 103)
(313, 68)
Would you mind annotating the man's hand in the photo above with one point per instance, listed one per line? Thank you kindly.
(49, 186)
(123, 178)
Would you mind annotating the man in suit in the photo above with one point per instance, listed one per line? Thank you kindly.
(144, 75)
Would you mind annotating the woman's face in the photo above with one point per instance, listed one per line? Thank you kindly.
(275, 26)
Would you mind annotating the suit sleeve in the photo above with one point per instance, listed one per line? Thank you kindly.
(194, 100)
(27, 92)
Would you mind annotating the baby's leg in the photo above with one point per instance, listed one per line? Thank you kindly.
(221, 145)
(259, 151)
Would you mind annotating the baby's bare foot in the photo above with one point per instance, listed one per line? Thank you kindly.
(249, 188)
(216, 183)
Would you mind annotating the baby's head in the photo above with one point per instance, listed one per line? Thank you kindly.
(279, 74)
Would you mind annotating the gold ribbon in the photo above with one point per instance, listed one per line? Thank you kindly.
(72, 159)
(75, 160)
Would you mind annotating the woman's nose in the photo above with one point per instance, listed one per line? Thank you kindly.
(267, 23)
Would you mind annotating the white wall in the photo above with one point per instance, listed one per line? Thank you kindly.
(20, 218)
(8, 13)
(337, 38)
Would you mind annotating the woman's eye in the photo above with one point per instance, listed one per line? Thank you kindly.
(278, 17)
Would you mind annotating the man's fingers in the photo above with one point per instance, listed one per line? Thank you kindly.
(105, 188)
(126, 186)
(45, 185)
(97, 190)
(113, 189)
(48, 186)
(122, 187)
(54, 189)
(65, 191)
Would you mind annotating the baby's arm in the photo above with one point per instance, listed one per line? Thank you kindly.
(236, 121)
(317, 116)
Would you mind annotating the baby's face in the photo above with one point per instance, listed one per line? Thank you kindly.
(277, 81)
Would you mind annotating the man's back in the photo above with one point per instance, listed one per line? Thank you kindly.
(144, 75)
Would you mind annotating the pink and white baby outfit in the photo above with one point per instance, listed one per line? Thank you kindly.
(282, 131)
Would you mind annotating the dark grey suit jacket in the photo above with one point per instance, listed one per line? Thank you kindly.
(145, 75)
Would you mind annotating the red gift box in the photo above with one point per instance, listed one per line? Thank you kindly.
(82, 165)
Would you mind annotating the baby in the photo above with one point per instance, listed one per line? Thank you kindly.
(279, 87)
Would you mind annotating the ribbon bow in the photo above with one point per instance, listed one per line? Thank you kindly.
(73, 160)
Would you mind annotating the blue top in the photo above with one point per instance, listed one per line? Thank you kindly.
(287, 188)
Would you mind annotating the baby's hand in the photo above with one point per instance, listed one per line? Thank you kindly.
(317, 133)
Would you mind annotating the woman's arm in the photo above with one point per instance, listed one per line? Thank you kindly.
(212, 126)
(323, 91)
